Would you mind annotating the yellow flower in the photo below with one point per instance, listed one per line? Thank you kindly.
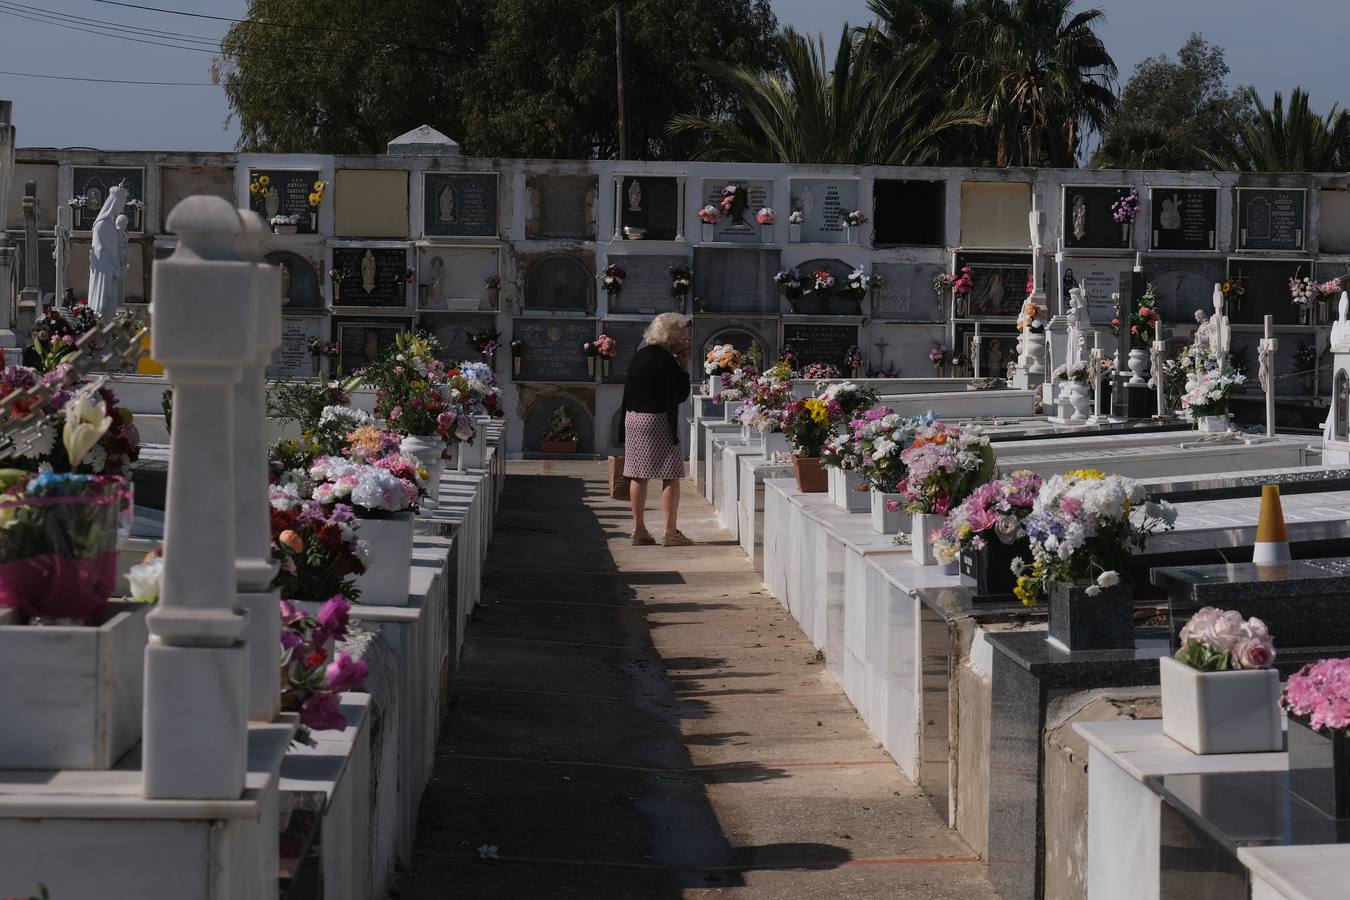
(314, 199)
(963, 530)
(87, 420)
(264, 180)
(819, 410)
(1025, 591)
(253, 187)
(1086, 474)
(320, 185)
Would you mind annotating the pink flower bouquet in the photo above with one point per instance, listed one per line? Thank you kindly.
(994, 511)
(1217, 640)
(945, 464)
(1319, 695)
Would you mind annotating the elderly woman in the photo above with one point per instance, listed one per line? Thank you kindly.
(657, 383)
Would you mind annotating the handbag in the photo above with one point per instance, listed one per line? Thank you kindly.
(618, 485)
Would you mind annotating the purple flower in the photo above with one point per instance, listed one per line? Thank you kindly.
(332, 619)
(345, 674)
(322, 712)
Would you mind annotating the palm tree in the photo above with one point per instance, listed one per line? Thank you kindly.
(867, 107)
(1296, 140)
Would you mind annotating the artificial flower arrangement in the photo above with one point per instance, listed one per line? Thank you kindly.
(1318, 695)
(1233, 291)
(808, 425)
(258, 185)
(1083, 528)
(855, 287)
(316, 546)
(484, 391)
(319, 347)
(994, 510)
(317, 193)
(336, 274)
(1216, 640)
(795, 217)
(790, 284)
(416, 394)
(732, 204)
(1032, 317)
(764, 216)
(765, 408)
(1209, 397)
(963, 285)
(561, 428)
(604, 346)
(853, 358)
(819, 371)
(734, 385)
(1143, 321)
(612, 279)
(485, 342)
(311, 678)
(1303, 290)
(822, 282)
(111, 451)
(1126, 209)
(878, 438)
(709, 215)
(939, 355)
(681, 278)
(492, 283)
(722, 358)
(847, 399)
(944, 464)
(373, 491)
(788, 357)
(1076, 373)
(56, 332)
(855, 218)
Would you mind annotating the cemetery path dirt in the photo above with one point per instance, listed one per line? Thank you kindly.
(648, 722)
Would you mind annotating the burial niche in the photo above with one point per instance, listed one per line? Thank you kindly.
(559, 282)
(909, 213)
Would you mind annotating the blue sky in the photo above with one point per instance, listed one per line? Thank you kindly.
(1274, 46)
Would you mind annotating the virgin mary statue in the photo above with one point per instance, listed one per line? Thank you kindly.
(105, 256)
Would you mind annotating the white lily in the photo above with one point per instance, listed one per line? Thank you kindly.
(87, 420)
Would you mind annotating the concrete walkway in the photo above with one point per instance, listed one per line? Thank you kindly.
(648, 722)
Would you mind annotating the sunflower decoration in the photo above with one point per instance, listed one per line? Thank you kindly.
(1233, 292)
(257, 185)
(316, 195)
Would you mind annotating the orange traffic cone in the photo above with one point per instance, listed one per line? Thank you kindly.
(1272, 541)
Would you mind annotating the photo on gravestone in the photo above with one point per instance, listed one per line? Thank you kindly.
(300, 284)
(454, 331)
(370, 276)
(1087, 218)
(627, 336)
(558, 281)
(909, 213)
(539, 418)
(361, 340)
(1183, 285)
(90, 186)
(823, 203)
(282, 192)
(1099, 278)
(553, 349)
(647, 287)
(463, 204)
(1000, 283)
(736, 280)
(560, 206)
(649, 208)
(756, 338)
(818, 342)
(1183, 218)
(1266, 290)
(738, 224)
(1271, 218)
(827, 302)
(293, 358)
(903, 292)
(998, 348)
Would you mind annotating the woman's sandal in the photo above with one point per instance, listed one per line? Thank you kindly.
(677, 539)
(643, 540)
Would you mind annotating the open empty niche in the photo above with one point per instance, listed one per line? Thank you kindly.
(994, 214)
(1334, 230)
(455, 277)
(909, 213)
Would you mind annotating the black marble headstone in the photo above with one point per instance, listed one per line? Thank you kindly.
(1183, 285)
(819, 342)
(453, 330)
(1267, 289)
(646, 290)
(736, 280)
(1271, 218)
(300, 283)
(92, 183)
(559, 282)
(553, 348)
(286, 194)
(653, 204)
(1183, 218)
(461, 204)
(1086, 219)
(1000, 282)
(628, 335)
(363, 339)
(371, 276)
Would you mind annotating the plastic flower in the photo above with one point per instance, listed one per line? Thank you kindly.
(145, 579)
(87, 420)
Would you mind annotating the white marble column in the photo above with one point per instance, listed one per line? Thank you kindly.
(203, 309)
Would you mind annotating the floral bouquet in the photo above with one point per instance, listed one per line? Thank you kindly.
(1197, 360)
(732, 204)
(764, 216)
(822, 282)
(847, 400)
(808, 426)
(735, 385)
(722, 358)
(561, 428)
(1143, 322)
(373, 491)
(939, 356)
(855, 288)
(58, 543)
(316, 545)
(1077, 373)
(606, 346)
(1209, 397)
(1126, 209)
(612, 279)
(853, 358)
(963, 285)
(371, 447)
(765, 408)
(879, 437)
(855, 218)
(1032, 317)
(484, 391)
(944, 464)
(1303, 290)
(1319, 695)
(709, 215)
(56, 332)
(994, 510)
(790, 284)
(818, 371)
(485, 342)
(311, 681)
(416, 394)
(681, 277)
(795, 217)
(1083, 528)
(1217, 640)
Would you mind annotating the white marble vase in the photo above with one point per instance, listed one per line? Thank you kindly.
(884, 521)
(775, 442)
(1221, 712)
(429, 451)
(471, 454)
(1081, 399)
(921, 545)
(386, 581)
(1212, 424)
(1139, 366)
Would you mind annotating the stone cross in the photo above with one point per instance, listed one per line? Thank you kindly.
(30, 298)
(204, 308)
(1265, 353)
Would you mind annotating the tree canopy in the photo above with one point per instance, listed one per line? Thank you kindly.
(1296, 139)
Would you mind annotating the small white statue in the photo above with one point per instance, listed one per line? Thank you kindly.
(1202, 330)
(1220, 337)
(105, 256)
(1340, 329)
(1079, 325)
(368, 272)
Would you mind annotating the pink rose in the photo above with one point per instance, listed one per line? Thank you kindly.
(1228, 630)
(1253, 653)
(1257, 629)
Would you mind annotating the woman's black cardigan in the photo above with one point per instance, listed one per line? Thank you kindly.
(656, 384)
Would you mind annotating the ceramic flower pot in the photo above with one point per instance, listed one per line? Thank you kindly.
(729, 410)
(1139, 365)
(471, 453)
(885, 521)
(557, 446)
(1211, 424)
(1081, 400)
(429, 451)
(775, 442)
(1319, 768)
(1082, 622)
(987, 571)
(810, 474)
(920, 537)
(386, 581)
(1221, 712)
(853, 493)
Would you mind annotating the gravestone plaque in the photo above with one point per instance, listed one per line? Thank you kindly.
(1183, 285)
(652, 204)
(293, 359)
(1183, 218)
(646, 290)
(818, 342)
(177, 183)
(895, 351)
(905, 293)
(756, 337)
(743, 229)
(453, 333)
(284, 192)
(1000, 282)
(1286, 381)
(628, 335)
(1267, 290)
(463, 204)
(363, 339)
(561, 206)
(92, 183)
(1086, 220)
(909, 213)
(823, 203)
(371, 276)
(300, 285)
(1100, 278)
(998, 347)
(1271, 218)
(736, 281)
(553, 348)
(561, 282)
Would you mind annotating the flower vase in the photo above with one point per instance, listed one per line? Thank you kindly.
(590, 366)
(987, 571)
(1081, 399)
(317, 364)
(471, 454)
(1237, 711)
(1082, 622)
(429, 451)
(493, 297)
(729, 412)
(811, 476)
(921, 537)
(314, 221)
(853, 493)
(604, 367)
(766, 233)
(337, 291)
(386, 580)
(850, 234)
(775, 442)
(1139, 365)
(1303, 314)
(885, 521)
(794, 233)
(1319, 768)
(515, 365)
(1212, 424)
(708, 232)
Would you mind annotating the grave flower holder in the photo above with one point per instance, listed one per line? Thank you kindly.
(387, 579)
(471, 453)
(811, 477)
(921, 538)
(766, 233)
(1319, 768)
(987, 571)
(1079, 621)
(884, 520)
(794, 233)
(708, 232)
(430, 452)
(1236, 711)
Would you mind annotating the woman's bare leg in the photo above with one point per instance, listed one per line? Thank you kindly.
(637, 498)
(670, 502)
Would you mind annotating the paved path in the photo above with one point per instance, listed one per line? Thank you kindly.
(648, 722)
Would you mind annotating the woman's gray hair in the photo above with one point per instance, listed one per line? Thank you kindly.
(664, 329)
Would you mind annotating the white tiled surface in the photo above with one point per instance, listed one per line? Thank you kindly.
(1312, 872)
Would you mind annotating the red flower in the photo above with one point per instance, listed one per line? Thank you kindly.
(316, 659)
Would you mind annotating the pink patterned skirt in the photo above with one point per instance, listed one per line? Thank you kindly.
(649, 451)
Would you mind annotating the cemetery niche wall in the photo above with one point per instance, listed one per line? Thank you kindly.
(459, 204)
(738, 224)
(909, 213)
(732, 281)
(561, 206)
(363, 339)
(647, 289)
(560, 282)
(1184, 285)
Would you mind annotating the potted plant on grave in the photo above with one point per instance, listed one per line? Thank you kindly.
(709, 215)
(880, 435)
(517, 355)
(984, 533)
(807, 426)
(765, 409)
(1144, 321)
(944, 464)
(1075, 381)
(791, 286)
(845, 400)
(312, 676)
(1317, 698)
(765, 219)
(607, 348)
(1083, 529)
(561, 436)
(611, 279)
(1219, 692)
(1208, 400)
